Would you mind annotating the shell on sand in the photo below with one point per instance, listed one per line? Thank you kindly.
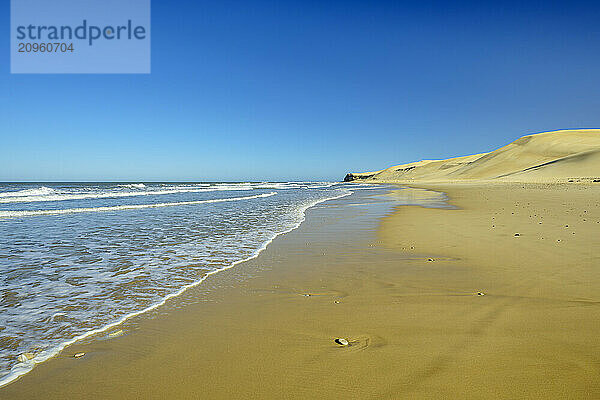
(115, 334)
(342, 342)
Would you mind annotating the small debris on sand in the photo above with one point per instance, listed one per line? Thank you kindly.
(430, 259)
(480, 294)
(517, 234)
(115, 334)
(78, 355)
(342, 342)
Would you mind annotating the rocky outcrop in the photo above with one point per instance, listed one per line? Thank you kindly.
(354, 177)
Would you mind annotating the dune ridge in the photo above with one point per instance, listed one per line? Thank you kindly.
(557, 156)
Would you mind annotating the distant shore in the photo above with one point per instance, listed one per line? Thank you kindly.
(495, 297)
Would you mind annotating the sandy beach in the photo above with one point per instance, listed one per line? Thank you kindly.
(337, 200)
(494, 297)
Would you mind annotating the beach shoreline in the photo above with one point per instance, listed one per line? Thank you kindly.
(31, 359)
(446, 302)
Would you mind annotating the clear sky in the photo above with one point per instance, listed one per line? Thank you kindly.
(284, 90)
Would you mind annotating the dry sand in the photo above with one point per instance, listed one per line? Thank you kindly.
(558, 156)
(417, 328)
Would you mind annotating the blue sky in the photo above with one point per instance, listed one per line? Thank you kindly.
(260, 90)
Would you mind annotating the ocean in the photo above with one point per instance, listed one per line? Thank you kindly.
(77, 259)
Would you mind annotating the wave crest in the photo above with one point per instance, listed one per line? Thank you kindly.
(41, 191)
(31, 213)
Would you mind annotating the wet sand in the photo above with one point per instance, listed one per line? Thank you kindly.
(401, 284)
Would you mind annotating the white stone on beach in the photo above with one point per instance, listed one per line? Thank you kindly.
(342, 342)
(25, 357)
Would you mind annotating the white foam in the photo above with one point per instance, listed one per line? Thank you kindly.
(41, 191)
(81, 196)
(24, 367)
(364, 186)
(48, 194)
(30, 213)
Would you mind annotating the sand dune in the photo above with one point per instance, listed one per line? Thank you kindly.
(544, 157)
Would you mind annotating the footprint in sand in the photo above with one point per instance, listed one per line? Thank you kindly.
(331, 293)
(294, 292)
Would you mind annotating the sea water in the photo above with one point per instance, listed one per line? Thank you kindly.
(79, 258)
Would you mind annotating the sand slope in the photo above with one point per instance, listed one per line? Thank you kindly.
(543, 157)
